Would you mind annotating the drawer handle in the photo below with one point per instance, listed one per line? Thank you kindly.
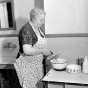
(10, 45)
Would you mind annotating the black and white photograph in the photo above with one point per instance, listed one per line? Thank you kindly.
(43, 44)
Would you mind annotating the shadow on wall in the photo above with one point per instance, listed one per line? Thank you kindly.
(20, 22)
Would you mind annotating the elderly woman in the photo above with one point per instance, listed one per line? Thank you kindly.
(29, 65)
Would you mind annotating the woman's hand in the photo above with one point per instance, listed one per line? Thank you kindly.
(53, 56)
(47, 52)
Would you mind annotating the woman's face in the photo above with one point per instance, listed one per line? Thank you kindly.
(40, 20)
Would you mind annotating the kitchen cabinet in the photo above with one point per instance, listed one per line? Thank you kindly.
(8, 33)
(8, 49)
(9, 45)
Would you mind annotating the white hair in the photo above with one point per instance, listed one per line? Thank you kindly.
(36, 12)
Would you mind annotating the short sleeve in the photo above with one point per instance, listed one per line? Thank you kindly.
(27, 37)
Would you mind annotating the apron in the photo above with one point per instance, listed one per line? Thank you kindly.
(30, 68)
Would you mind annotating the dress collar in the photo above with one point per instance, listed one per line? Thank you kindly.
(39, 30)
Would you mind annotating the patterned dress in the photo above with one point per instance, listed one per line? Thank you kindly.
(30, 68)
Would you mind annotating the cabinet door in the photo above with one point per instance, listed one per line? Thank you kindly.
(9, 47)
(55, 85)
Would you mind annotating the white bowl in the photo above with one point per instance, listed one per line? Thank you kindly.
(58, 65)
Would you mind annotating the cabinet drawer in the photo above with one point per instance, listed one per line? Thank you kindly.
(9, 47)
(75, 86)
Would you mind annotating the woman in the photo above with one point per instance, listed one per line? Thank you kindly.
(33, 48)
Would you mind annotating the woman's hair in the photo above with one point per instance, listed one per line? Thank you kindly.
(36, 12)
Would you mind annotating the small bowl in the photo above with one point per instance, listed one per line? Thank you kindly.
(61, 60)
(58, 61)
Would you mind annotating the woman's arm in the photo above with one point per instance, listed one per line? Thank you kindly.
(30, 50)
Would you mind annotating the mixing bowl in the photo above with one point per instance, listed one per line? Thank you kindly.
(58, 64)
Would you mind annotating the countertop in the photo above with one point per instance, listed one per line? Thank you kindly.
(63, 76)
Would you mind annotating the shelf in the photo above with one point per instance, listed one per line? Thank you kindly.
(8, 33)
(6, 66)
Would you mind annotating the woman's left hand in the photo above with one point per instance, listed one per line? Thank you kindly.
(47, 52)
(53, 56)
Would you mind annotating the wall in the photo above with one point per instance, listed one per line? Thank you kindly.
(66, 16)
(22, 9)
(69, 47)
